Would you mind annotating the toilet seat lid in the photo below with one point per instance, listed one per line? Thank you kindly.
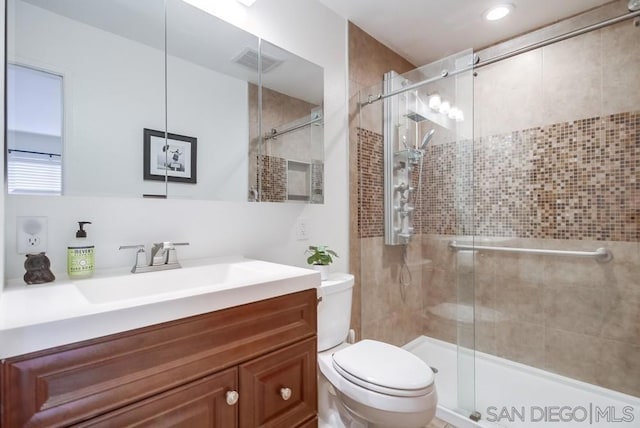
(384, 368)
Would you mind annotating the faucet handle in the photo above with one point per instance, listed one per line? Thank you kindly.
(141, 258)
(164, 252)
(168, 245)
(139, 247)
(172, 256)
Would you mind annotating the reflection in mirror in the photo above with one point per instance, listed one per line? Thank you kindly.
(106, 69)
(210, 67)
(286, 161)
(34, 132)
(108, 59)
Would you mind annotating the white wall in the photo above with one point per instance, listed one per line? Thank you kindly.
(113, 88)
(215, 109)
(261, 230)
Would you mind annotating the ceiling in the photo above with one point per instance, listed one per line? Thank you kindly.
(423, 31)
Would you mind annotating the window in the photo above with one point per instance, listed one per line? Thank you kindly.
(34, 131)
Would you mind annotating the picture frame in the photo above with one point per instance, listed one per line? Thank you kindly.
(175, 157)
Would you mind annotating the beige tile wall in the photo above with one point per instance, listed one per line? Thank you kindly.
(592, 75)
(368, 61)
(391, 312)
(575, 317)
(278, 110)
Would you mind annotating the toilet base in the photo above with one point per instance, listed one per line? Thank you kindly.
(384, 419)
(331, 411)
(337, 410)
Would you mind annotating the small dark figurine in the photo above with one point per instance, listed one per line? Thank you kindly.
(38, 269)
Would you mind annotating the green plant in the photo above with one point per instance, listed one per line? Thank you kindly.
(320, 255)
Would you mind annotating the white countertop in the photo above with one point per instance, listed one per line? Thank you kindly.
(37, 317)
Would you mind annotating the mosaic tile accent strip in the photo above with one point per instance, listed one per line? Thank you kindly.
(571, 180)
(274, 178)
(370, 184)
(447, 189)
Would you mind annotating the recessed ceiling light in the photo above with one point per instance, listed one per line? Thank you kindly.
(498, 12)
(246, 2)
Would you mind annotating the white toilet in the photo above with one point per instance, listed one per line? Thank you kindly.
(369, 383)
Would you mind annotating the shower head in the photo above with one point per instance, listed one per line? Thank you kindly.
(416, 117)
(634, 5)
(425, 140)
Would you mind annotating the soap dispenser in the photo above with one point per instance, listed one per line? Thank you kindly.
(80, 255)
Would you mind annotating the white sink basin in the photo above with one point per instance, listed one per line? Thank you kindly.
(117, 300)
(184, 281)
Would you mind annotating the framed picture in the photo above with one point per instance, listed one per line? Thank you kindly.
(175, 157)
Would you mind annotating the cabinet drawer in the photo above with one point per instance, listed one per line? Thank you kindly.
(73, 383)
(198, 404)
(263, 399)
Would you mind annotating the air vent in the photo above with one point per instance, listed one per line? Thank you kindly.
(249, 58)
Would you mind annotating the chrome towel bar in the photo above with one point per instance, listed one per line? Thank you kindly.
(602, 255)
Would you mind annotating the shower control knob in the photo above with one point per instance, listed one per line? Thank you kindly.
(400, 187)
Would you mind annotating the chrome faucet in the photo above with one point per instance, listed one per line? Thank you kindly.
(163, 257)
(164, 253)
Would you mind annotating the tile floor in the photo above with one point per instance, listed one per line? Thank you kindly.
(437, 423)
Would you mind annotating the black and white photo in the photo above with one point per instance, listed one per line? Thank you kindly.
(174, 157)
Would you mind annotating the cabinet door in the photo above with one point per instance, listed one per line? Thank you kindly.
(199, 404)
(279, 389)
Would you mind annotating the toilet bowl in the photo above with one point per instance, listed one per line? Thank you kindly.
(368, 383)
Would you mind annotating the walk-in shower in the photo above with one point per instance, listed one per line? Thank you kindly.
(511, 203)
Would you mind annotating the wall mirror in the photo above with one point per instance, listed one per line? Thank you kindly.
(286, 159)
(155, 98)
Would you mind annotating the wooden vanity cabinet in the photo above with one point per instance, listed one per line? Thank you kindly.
(181, 373)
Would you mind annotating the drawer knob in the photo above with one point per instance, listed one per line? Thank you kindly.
(285, 393)
(232, 397)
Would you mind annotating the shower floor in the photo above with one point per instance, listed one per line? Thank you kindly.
(514, 395)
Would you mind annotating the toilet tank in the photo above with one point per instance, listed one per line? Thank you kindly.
(334, 310)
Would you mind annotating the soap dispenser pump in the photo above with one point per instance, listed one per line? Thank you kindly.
(80, 255)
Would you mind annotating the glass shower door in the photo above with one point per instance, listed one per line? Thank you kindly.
(415, 190)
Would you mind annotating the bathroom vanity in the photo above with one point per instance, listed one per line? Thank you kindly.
(248, 365)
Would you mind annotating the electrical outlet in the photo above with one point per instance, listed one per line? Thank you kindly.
(302, 230)
(31, 235)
